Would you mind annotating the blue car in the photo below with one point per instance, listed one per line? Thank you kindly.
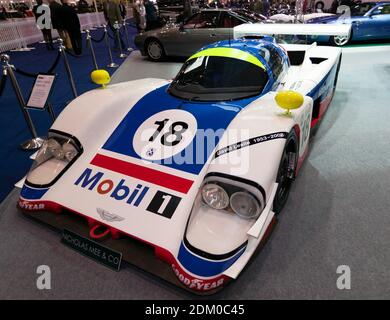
(370, 21)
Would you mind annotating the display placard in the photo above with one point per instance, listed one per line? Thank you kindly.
(41, 91)
(92, 249)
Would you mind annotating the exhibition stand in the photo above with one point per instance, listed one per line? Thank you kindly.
(336, 214)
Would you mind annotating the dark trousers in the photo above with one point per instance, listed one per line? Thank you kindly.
(48, 38)
(75, 38)
(116, 44)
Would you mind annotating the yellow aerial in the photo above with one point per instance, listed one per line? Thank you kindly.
(100, 77)
(289, 100)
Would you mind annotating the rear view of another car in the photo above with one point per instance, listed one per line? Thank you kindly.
(369, 20)
(203, 28)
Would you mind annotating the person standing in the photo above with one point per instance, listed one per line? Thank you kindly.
(139, 15)
(151, 15)
(266, 5)
(71, 24)
(258, 7)
(113, 15)
(44, 24)
(122, 9)
(56, 22)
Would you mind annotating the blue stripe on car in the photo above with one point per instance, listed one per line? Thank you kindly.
(205, 267)
(209, 116)
(32, 193)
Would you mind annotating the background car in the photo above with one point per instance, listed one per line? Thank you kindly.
(370, 21)
(204, 27)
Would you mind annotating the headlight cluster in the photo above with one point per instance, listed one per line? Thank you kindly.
(231, 198)
(53, 158)
(66, 152)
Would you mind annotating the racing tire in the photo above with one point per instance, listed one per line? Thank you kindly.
(339, 41)
(286, 175)
(337, 73)
(155, 50)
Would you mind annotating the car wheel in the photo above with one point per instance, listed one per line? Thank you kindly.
(155, 50)
(320, 5)
(286, 171)
(340, 41)
(337, 73)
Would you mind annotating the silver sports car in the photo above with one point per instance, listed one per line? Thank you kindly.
(204, 27)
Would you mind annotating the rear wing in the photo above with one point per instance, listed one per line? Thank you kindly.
(298, 29)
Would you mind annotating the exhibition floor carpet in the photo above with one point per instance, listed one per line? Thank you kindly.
(337, 214)
(14, 162)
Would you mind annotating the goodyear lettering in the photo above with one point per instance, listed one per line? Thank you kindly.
(31, 206)
(121, 191)
(197, 284)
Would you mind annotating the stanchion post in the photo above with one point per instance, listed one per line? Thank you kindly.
(117, 27)
(61, 48)
(129, 48)
(35, 142)
(89, 42)
(51, 111)
(112, 64)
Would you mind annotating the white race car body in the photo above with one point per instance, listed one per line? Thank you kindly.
(118, 180)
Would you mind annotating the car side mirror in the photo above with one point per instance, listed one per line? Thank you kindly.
(289, 100)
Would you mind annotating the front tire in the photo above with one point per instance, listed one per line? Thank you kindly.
(154, 50)
(340, 41)
(286, 171)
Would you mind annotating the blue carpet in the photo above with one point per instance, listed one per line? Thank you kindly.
(14, 162)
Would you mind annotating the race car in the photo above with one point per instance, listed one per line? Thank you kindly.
(185, 178)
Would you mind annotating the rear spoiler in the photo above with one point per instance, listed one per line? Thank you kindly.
(256, 29)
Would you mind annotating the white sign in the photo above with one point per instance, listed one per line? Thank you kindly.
(41, 90)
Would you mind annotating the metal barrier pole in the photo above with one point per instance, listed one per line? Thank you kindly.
(112, 64)
(89, 42)
(121, 54)
(129, 48)
(51, 111)
(35, 142)
(61, 48)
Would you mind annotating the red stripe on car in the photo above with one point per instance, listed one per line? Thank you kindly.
(159, 178)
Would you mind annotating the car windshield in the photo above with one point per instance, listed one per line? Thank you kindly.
(214, 78)
(250, 16)
(361, 9)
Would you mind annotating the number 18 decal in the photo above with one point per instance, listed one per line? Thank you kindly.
(164, 134)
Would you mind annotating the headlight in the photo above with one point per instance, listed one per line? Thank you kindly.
(225, 208)
(233, 197)
(215, 196)
(53, 158)
(245, 205)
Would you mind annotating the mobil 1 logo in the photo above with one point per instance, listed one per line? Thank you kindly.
(163, 204)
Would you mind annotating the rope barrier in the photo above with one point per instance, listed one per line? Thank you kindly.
(71, 54)
(97, 41)
(34, 75)
(2, 83)
(110, 36)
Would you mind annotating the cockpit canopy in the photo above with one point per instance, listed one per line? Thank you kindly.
(229, 71)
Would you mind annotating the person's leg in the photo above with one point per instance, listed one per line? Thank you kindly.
(77, 42)
(116, 44)
(50, 38)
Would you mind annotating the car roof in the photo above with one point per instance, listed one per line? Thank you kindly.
(251, 46)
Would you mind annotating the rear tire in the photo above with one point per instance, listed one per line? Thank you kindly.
(286, 174)
(155, 50)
